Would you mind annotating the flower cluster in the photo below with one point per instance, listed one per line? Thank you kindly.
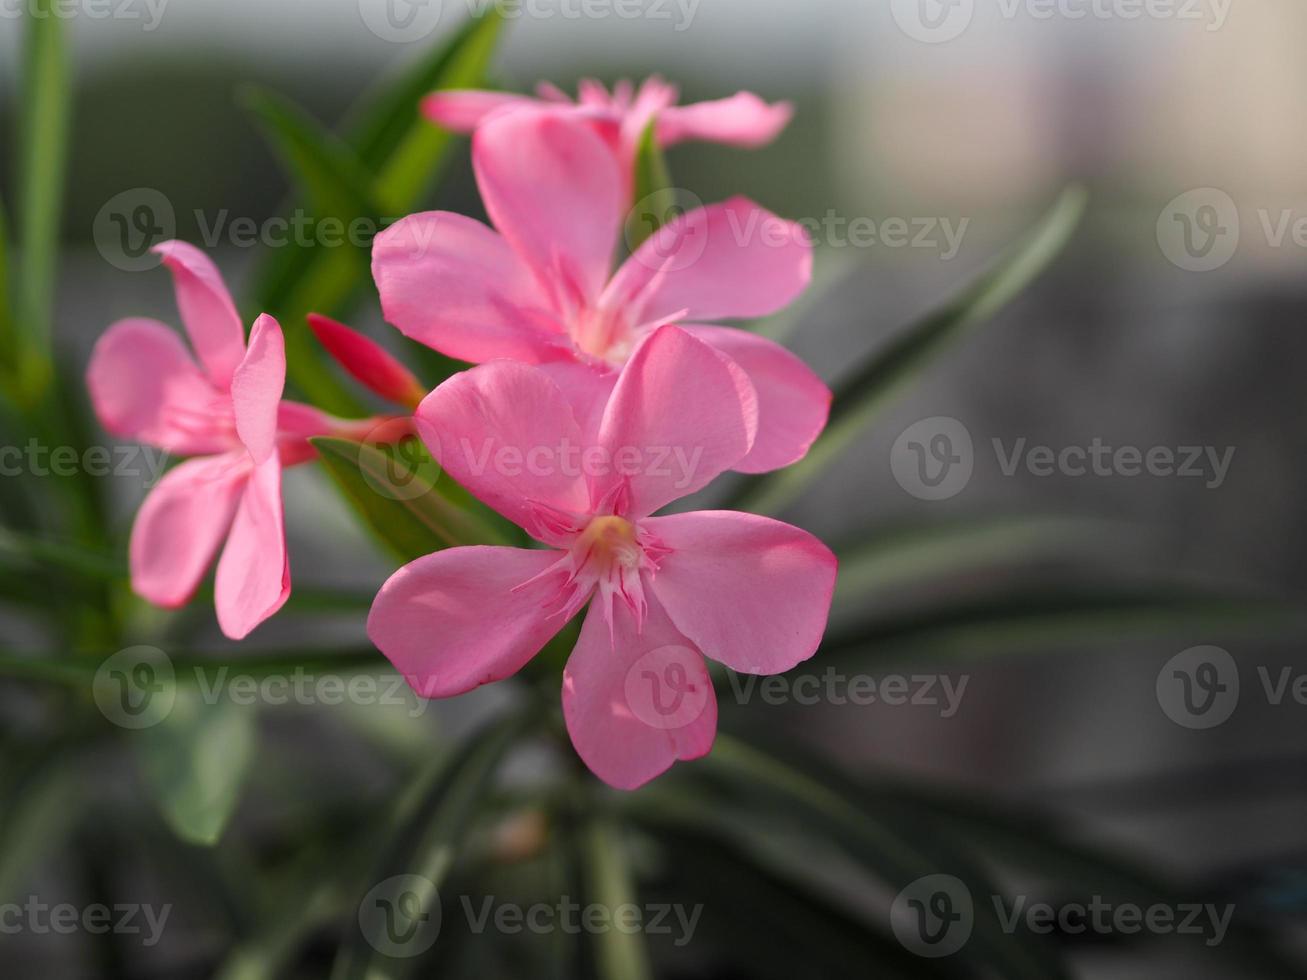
(627, 366)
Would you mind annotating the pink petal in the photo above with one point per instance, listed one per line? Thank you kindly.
(729, 260)
(636, 701)
(462, 110)
(253, 579)
(751, 592)
(742, 120)
(367, 361)
(453, 284)
(207, 310)
(793, 403)
(680, 415)
(553, 188)
(457, 619)
(145, 386)
(257, 386)
(587, 388)
(180, 525)
(505, 432)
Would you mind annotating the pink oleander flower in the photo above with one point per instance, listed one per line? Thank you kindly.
(541, 288)
(742, 120)
(226, 411)
(664, 592)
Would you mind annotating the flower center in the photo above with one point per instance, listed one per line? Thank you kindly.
(611, 543)
(601, 333)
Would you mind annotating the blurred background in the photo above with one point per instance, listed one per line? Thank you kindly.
(927, 136)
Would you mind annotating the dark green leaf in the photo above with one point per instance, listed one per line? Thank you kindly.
(8, 342)
(195, 762)
(859, 397)
(1036, 620)
(42, 799)
(422, 844)
(395, 492)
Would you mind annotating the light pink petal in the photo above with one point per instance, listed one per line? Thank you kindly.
(462, 110)
(587, 388)
(453, 284)
(553, 188)
(793, 403)
(257, 386)
(207, 310)
(367, 361)
(253, 579)
(180, 525)
(680, 415)
(505, 432)
(464, 617)
(297, 423)
(636, 701)
(751, 592)
(742, 120)
(145, 386)
(729, 260)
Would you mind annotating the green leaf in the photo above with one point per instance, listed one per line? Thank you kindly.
(423, 842)
(825, 806)
(655, 198)
(902, 556)
(30, 550)
(394, 489)
(43, 147)
(338, 188)
(42, 800)
(1035, 620)
(195, 762)
(620, 954)
(859, 397)
(8, 342)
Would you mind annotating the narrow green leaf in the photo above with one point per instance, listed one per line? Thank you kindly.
(825, 805)
(31, 550)
(338, 188)
(8, 342)
(620, 955)
(394, 489)
(655, 198)
(859, 397)
(43, 156)
(195, 762)
(1029, 621)
(902, 556)
(419, 851)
